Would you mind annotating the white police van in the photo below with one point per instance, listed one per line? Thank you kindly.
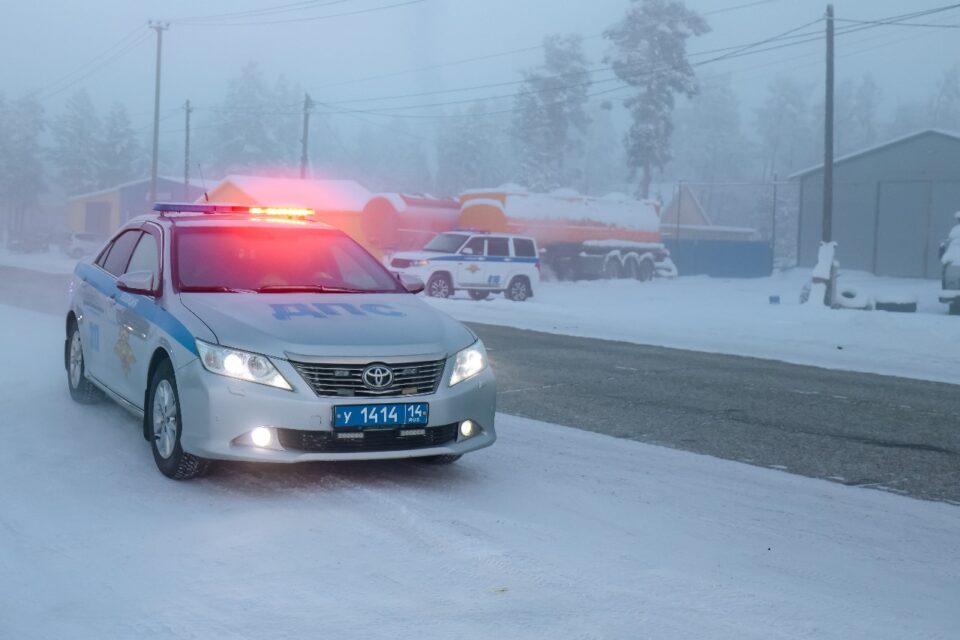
(480, 263)
(241, 333)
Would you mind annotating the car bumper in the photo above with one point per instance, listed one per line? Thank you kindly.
(217, 411)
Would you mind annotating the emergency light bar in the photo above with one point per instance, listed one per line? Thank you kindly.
(205, 208)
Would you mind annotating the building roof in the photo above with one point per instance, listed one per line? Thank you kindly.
(320, 195)
(124, 185)
(870, 150)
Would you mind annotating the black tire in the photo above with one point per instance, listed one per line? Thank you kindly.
(445, 459)
(645, 271)
(611, 268)
(439, 286)
(954, 309)
(177, 463)
(519, 289)
(477, 294)
(81, 389)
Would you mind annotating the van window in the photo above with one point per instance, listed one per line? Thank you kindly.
(524, 248)
(476, 245)
(498, 247)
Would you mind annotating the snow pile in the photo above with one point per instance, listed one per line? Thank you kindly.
(482, 202)
(734, 316)
(952, 254)
(52, 261)
(551, 533)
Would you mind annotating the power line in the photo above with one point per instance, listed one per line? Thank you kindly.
(254, 13)
(881, 23)
(305, 18)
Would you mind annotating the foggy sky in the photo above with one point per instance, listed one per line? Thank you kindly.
(43, 40)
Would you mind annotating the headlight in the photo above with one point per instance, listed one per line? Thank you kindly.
(468, 363)
(419, 263)
(241, 365)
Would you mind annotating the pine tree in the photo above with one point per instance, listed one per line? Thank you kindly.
(120, 156)
(471, 151)
(549, 109)
(650, 54)
(21, 159)
(76, 145)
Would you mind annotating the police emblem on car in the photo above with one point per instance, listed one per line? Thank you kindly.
(262, 334)
(377, 376)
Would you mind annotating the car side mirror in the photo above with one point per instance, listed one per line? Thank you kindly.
(467, 252)
(412, 284)
(138, 282)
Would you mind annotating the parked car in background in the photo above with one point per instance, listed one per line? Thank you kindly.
(79, 245)
(950, 258)
(480, 263)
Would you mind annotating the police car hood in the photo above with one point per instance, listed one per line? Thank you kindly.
(340, 325)
(417, 255)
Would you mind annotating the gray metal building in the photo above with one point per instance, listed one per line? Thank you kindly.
(893, 205)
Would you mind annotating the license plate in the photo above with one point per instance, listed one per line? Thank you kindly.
(381, 415)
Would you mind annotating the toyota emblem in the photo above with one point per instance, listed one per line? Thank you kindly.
(377, 376)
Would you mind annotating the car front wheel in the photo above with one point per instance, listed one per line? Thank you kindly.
(166, 428)
(81, 389)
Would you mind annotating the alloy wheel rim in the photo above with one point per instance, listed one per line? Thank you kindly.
(164, 419)
(519, 291)
(76, 360)
(440, 289)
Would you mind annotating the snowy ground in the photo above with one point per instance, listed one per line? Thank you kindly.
(52, 261)
(734, 316)
(551, 533)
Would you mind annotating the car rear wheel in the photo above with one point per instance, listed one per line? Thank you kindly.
(166, 427)
(477, 294)
(519, 289)
(81, 389)
(439, 286)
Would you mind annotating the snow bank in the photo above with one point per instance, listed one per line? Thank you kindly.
(52, 261)
(551, 533)
(734, 316)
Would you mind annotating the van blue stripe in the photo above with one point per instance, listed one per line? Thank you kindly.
(484, 259)
(144, 307)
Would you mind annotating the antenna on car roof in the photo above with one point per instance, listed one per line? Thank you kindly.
(203, 183)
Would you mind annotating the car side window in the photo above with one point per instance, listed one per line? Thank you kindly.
(146, 257)
(523, 248)
(499, 247)
(476, 245)
(117, 258)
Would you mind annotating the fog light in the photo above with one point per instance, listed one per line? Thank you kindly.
(468, 429)
(261, 437)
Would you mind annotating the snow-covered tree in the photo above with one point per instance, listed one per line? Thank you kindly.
(785, 128)
(945, 105)
(120, 156)
(21, 159)
(391, 158)
(650, 54)
(602, 166)
(549, 110)
(77, 135)
(472, 151)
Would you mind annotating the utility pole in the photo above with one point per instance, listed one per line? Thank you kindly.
(773, 227)
(305, 138)
(159, 27)
(828, 136)
(186, 155)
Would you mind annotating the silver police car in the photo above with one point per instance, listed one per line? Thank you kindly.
(245, 333)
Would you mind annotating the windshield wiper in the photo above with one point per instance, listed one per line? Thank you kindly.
(309, 288)
(212, 289)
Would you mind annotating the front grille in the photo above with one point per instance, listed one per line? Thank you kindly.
(344, 380)
(365, 440)
(400, 263)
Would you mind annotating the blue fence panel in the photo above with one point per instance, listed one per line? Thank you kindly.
(721, 258)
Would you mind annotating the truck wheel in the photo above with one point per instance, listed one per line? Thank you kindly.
(439, 286)
(81, 389)
(611, 268)
(477, 294)
(519, 289)
(645, 270)
(166, 427)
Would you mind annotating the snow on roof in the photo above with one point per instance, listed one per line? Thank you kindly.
(877, 147)
(485, 202)
(320, 195)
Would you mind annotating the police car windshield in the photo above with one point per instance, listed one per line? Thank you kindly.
(276, 260)
(446, 243)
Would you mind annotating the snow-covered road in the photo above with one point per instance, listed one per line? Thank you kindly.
(552, 533)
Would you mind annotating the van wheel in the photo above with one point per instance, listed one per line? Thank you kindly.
(439, 286)
(81, 389)
(519, 289)
(166, 428)
(477, 294)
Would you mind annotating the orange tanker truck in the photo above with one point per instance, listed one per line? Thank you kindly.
(580, 237)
